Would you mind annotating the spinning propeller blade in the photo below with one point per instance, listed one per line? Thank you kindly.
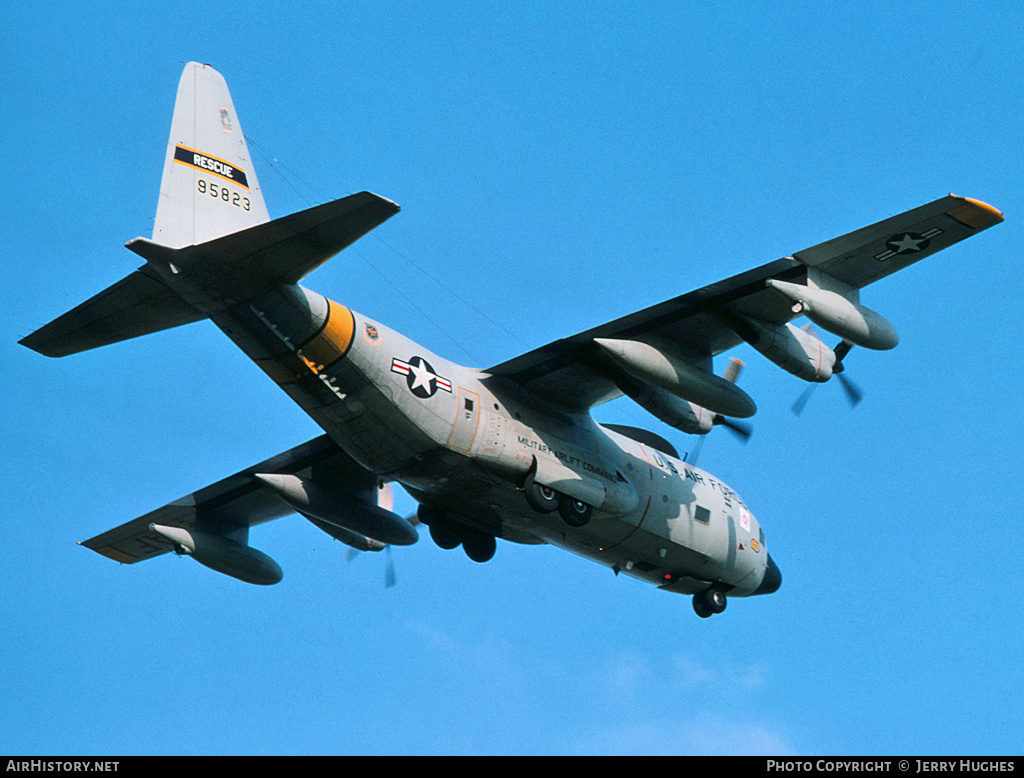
(732, 370)
(853, 392)
(386, 499)
(801, 401)
(741, 430)
(389, 569)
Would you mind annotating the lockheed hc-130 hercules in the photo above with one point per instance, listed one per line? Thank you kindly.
(507, 452)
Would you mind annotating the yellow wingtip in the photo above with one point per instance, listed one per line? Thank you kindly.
(976, 214)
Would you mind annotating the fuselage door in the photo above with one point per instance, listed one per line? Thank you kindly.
(467, 419)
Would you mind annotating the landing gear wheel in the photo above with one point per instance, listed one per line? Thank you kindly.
(575, 513)
(715, 598)
(542, 499)
(699, 607)
(428, 515)
(709, 602)
(479, 547)
(443, 535)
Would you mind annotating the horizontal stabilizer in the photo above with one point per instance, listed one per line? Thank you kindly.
(235, 267)
(241, 265)
(229, 507)
(136, 305)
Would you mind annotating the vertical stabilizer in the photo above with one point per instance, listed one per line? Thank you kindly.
(209, 187)
(209, 200)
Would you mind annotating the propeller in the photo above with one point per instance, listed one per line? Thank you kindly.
(389, 569)
(741, 430)
(389, 565)
(853, 392)
(386, 500)
(732, 370)
(386, 496)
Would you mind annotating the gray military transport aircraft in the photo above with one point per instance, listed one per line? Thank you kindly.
(508, 452)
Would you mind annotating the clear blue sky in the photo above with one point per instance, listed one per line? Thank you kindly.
(558, 165)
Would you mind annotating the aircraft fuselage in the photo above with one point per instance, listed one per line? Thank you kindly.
(466, 445)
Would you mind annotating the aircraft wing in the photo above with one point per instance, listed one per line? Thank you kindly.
(573, 372)
(234, 503)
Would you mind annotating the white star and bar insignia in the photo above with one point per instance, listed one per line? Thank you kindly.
(420, 377)
(907, 243)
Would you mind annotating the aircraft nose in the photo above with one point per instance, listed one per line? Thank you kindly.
(772, 578)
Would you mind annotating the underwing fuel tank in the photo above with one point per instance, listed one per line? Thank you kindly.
(222, 554)
(656, 367)
(334, 506)
(833, 312)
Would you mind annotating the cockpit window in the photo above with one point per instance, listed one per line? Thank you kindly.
(702, 514)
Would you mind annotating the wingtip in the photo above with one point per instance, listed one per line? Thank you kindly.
(35, 342)
(975, 213)
(388, 203)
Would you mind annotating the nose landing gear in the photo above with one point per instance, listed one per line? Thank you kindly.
(709, 602)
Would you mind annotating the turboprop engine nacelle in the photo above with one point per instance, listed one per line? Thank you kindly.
(334, 506)
(653, 366)
(347, 536)
(795, 350)
(843, 317)
(222, 554)
(674, 411)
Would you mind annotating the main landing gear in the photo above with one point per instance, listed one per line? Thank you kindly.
(544, 499)
(709, 602)
(479, 546)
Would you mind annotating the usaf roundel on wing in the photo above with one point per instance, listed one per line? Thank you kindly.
(420, 377)
(908, 243)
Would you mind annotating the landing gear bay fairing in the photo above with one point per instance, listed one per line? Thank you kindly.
(507, 452)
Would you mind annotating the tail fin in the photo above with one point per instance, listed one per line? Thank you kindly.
(212, 227)
(209, 187)
(208, 190)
